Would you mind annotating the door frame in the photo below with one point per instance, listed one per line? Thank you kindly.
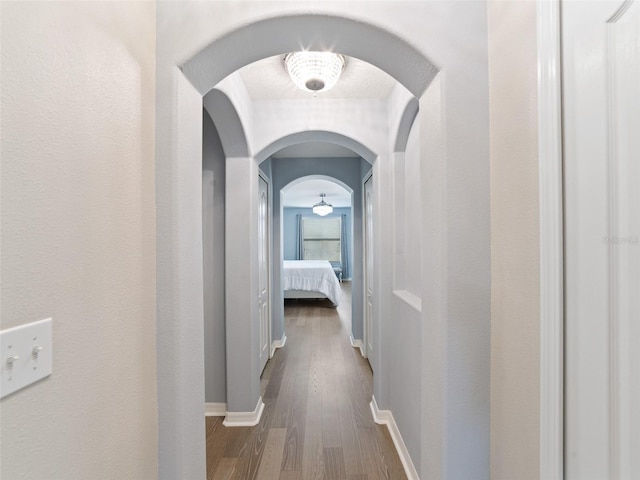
(261, 175)
(550, 171)
(366, 332)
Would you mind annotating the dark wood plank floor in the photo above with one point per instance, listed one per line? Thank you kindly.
(316, 423)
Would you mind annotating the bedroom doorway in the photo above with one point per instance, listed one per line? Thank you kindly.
(300, 181)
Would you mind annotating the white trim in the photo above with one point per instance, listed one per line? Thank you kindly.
(551, 240)
(385, 417)
(215, 409)
(244, 419)
(278, 344)
(357, 344)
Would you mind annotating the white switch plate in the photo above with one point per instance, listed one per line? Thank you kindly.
(25, 355)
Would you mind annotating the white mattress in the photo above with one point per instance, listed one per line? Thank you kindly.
(312, 276)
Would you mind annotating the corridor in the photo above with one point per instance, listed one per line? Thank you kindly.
(316, 423)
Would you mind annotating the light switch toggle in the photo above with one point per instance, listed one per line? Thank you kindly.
(36, 351)
(12, 359)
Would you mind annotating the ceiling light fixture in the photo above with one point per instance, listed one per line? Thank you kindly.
(314, 71)
(323, 208)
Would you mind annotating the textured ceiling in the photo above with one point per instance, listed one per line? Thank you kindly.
(267, 79)
(307, 193)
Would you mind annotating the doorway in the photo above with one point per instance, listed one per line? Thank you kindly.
(342, 179)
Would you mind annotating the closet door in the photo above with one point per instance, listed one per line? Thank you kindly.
(601, 88)
(368, 269)
(263, 271)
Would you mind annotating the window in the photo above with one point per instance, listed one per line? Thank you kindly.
(321, 237)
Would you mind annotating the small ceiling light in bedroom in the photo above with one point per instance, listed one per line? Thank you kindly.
(323, 208)
(314, 71)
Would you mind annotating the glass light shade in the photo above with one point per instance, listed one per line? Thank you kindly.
(323, 208)
(314, 71)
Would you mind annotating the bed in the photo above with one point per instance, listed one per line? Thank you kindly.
(311, 279)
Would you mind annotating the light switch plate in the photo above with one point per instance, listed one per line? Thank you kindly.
(25, 355)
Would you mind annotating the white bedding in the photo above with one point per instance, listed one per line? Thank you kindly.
(312, 276)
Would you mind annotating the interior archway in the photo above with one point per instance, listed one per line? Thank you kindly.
(443, 194)
(328, 178)
(348, 172)
(290, 33)
(355, 225)
(227, 121)
(198, 69)
(335, 137)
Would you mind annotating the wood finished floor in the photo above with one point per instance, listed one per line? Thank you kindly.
(316, 422)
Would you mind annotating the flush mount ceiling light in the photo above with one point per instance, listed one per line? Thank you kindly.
(314, 71)
(323, 208)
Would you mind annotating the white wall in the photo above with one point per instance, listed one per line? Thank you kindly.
(363, 120)
(404, 329)
(515, 296)
(78, 236)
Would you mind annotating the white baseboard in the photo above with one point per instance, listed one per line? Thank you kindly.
(278, 344)
(357, 344)
(244, 419)
(215, 409)
(385, 417)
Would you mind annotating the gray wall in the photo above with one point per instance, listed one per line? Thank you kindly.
(290, 231)
(347, 170)
(213, 189)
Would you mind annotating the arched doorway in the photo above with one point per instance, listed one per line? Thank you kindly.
(454, 220)
(352, 216)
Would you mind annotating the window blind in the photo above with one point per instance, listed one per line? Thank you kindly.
(321, 238)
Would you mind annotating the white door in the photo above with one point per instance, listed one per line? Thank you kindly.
(601, 83)
(368, 269)
(263, 267)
